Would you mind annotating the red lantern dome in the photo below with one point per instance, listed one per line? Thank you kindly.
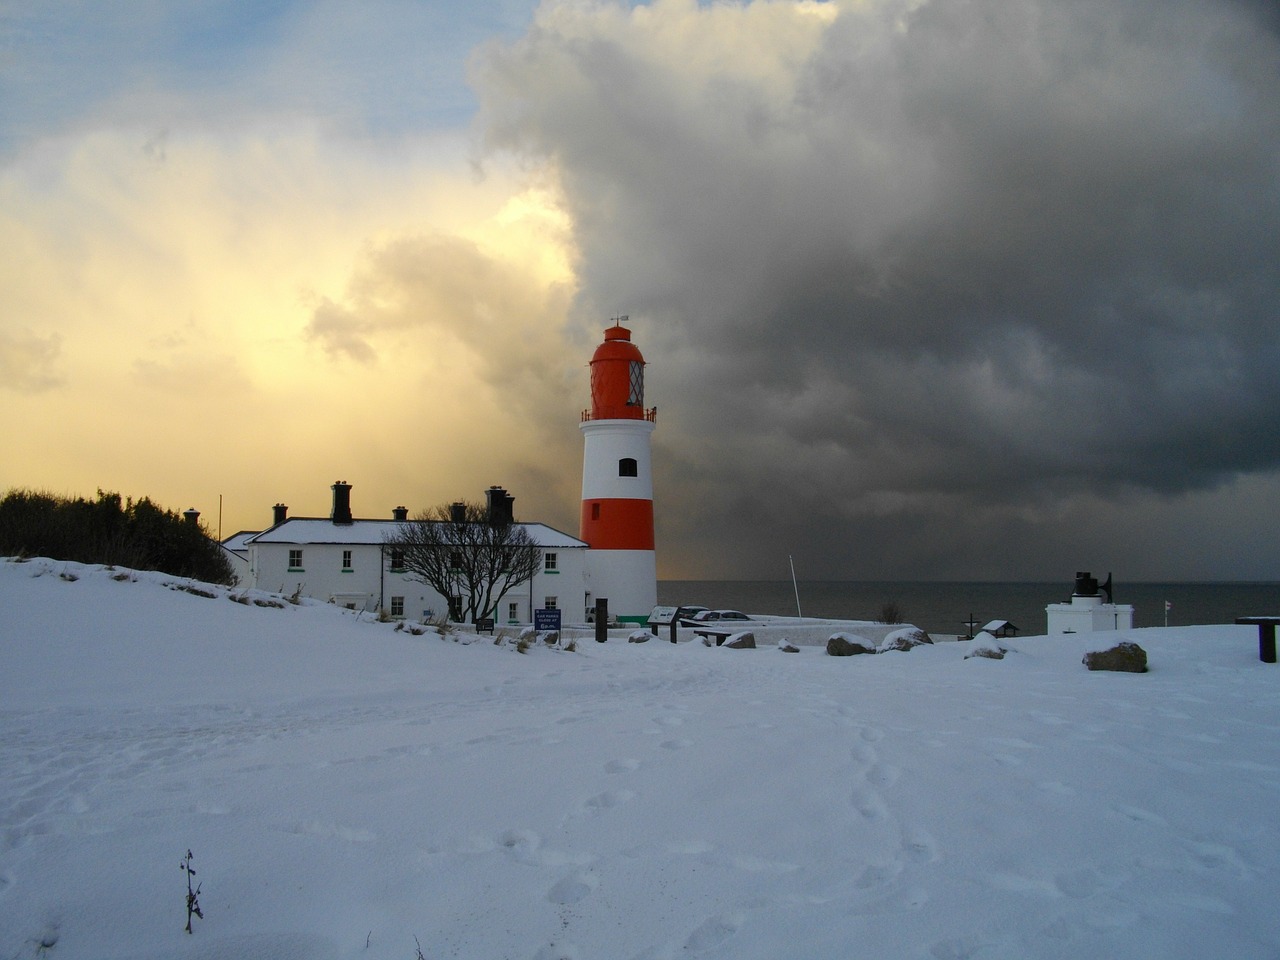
(617, 378)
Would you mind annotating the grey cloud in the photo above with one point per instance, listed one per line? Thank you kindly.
(983, 258)
(28, 362)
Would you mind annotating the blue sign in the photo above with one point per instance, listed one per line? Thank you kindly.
(544, 620)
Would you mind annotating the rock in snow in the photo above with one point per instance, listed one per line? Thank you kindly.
(904, 639)
(848, 645)
(1124, 657)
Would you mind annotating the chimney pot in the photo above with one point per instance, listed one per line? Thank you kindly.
(279, 513)
(400, 513)
(341, 502)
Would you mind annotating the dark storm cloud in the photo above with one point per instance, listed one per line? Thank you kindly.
(954, 267)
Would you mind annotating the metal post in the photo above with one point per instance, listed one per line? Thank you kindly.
(602, 619)
(1267, 642)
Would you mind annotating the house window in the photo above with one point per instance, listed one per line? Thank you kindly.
(455, 560)
(455, 608)
(295, 559)
(513, 612)
(549, 603)
(346, 560)
(397, 561)
(627, 467)
(549, 563)
(397, 606)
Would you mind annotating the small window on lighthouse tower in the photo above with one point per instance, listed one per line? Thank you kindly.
(636, 397)
(627, 467)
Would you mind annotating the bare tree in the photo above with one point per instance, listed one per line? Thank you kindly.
(465, 551)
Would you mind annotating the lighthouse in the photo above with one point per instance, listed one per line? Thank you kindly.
(617, 481)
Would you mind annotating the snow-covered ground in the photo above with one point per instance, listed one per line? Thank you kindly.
(348, 791)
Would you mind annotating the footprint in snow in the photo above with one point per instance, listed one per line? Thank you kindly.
(609, 799)
(573, 889)
(714, 931)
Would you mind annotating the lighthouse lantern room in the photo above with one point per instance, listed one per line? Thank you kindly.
(617, 482)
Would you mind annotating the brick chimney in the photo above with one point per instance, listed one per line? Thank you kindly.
(279, 514)
(341, 502)
(192, 515)
(501, 505)
(400, 513)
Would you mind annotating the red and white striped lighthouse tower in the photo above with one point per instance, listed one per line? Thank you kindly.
(617, 482)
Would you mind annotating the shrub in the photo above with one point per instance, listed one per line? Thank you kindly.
(112, 531)
(891, 613)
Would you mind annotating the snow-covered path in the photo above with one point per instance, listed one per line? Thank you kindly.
(346, 789)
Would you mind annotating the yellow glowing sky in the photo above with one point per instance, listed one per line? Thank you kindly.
(159, 296)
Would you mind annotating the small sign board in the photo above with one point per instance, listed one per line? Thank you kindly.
(544, 620)
(484, 625)
(662, 616)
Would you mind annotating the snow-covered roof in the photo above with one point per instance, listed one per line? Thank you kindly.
(995, 625)
(303, 530)
(239, 541)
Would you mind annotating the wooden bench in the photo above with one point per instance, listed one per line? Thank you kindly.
(718, 634)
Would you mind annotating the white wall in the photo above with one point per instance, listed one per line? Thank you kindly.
(1088, 615)
(370, 587)
(628, 578)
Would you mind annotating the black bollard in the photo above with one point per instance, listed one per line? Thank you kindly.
(602, 619)
(1267, 642)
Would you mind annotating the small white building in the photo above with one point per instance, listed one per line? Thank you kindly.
(1087, 612)
(346, 561)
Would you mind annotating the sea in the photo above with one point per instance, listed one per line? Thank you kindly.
(943, 608)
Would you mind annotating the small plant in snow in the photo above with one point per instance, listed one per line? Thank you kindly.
(193, 895)
(891, 613)
(419, 945)
(68, 576)
(523, 644)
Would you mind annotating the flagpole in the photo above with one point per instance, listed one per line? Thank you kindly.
(794, 586)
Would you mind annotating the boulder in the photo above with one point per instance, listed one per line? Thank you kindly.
(786, 646)
(904, 639)
(1123, 657)
(742, 641)
(848, 645)
(986, 645)
(639, 636)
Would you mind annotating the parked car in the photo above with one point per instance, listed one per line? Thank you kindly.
(688, 611)
(715, 616)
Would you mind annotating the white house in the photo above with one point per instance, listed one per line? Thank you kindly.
(345, 560)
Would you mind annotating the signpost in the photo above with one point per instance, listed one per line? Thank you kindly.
(546, 620)
(662, 617)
